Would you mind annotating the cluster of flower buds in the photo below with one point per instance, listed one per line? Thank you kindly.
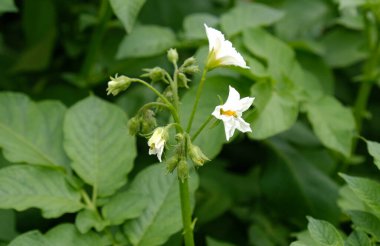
(144, 122)
(155, 74)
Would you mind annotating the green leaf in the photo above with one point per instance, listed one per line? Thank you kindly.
(325, 233)
(7, 6)
(366, 222)
(366, 189)
(344, 47)
(333, 123)
(146, 41)
(123, 206)
(290, 182)
(374, 151)
(32, 238)
(23, 187)
(193, 25)
(304, 239)
(350, 3)
(7, 224)
(97, 140)
(249, 15)
(87, 219)
(127, 11)
(162, 216)
(358, 238)
(67, 234)
(31, 132)
(276, 111)
(349, 201)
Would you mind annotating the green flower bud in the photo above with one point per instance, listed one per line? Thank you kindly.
(172, 163)
(134, 126)
(183, 170)
(155, 74)
(118, 84)
(197, 155)
(148, 121)
(189, 62)
(182, 80)
(173, 55)
(191, 69)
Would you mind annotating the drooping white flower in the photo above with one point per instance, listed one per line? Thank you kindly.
(230, 113)
(157, 141)
(118, 84)
(221, 52)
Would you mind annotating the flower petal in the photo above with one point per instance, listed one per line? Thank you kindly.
(245, 103)
(233, 99)
(229, 128)
(215, 38)
(243, 126)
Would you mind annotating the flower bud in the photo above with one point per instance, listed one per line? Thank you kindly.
(118, 84)
(173, 55)
(183, 170)
(134, 126)
(197, 155)
(182, 80)
(191, 69)
(155, 74)
(189, 62)
(172, 163)
(148, 121)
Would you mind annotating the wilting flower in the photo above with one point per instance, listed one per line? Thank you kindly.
(221, 52)
(157, 142)
(118, 84)
(230, 113)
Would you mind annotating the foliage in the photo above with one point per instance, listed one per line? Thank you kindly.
(307, 174)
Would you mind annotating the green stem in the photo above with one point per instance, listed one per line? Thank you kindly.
(200, 129)
(174, 85)
(154, 104)
(197, 97)
(361, 103)
(104, 15)
(186, 212)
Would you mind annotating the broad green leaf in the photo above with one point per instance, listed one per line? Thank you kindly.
(366, 222)
(344, 47)
(7, 6)
(23, 187)
(304, 239)
(349, 201)
(127, 11)
(213, 242)
(291, 183)
(193, 25)
(275, 112)
(146, 41)
(314, 16)
(67, 235)
(97, 140)
(7, 224)
(32, 238)
(124, 205)
(333, 123)
(31, 132)
(212, 142)
(324, 232)
(374, 151)
(366, 189)
(162, 216)
(358, 238)
(350, 3)
(249, 15)
(87, 219)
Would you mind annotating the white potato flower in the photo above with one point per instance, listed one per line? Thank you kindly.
(230, 113)
(157, 142)
(221, 52)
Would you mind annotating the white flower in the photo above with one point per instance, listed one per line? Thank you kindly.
(230, 113)
(157, 142)
(118, 84)
(221, 52)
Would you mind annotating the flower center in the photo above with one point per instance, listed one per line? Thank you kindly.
(228, 113)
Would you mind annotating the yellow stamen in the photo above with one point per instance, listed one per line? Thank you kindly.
(228, 112)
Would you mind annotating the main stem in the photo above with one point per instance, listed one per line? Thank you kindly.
(186, 212)
(197, 97)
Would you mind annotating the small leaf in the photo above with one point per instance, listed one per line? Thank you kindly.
(31, 238)
(97, 140)
(325, 233)
(7, 6)
(374, 151)
(358, 238)
(123, 206)
(31, 132)
(67, 235)
(366, 222)
(366, 189)
(333, 123)
(275, 111)
(146, 41)
(127, 11)
(23, 187)
(249, 15)
(87, 219)
(162, 216)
